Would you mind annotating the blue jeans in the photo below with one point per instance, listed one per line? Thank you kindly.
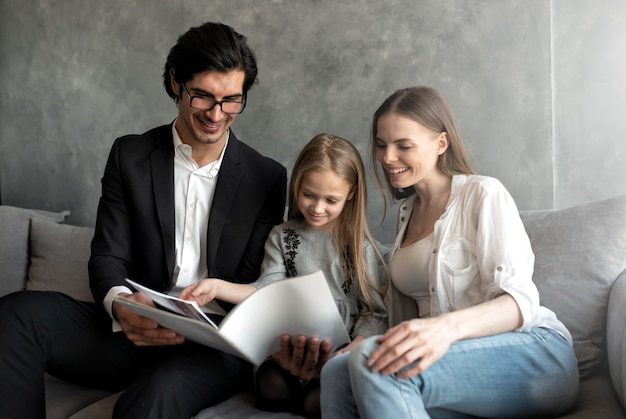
(514, 374)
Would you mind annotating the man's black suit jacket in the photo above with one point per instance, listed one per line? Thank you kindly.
(135, 228)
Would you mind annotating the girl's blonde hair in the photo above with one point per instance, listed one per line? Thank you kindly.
(328, 152)
(426, 106)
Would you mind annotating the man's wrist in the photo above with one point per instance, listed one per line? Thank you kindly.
(110, 297)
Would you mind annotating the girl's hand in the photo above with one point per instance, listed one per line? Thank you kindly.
(421, 340)
(209, 289)
(201, 292)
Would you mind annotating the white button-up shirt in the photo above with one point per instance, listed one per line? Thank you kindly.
(194, 188)
(479, 252)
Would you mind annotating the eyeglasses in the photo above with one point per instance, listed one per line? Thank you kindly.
(206, 104)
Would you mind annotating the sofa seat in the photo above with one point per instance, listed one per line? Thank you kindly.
(580, 271)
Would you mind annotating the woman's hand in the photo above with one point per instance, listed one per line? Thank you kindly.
(427, 340)
(141, 330)
(421, 340)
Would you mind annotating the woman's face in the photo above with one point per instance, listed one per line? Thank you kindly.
(407, 150)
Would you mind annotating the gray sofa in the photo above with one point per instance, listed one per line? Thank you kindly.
(580, 271)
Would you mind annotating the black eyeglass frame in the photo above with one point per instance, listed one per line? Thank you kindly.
(215, 102)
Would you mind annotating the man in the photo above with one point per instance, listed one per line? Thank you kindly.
(179, 203)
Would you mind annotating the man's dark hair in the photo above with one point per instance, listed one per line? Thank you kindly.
(210, 46)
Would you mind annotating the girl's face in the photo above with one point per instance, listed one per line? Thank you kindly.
(407, 150)
(321, 198)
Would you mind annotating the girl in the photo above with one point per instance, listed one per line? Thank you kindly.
(468, 335)
(327, 229)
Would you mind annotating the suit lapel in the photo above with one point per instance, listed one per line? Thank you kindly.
(162, 166)
(225, 192)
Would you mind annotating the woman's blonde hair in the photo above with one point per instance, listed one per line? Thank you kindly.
(328, 152)
(426, 106)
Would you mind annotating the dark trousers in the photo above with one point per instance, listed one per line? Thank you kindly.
(72, 340)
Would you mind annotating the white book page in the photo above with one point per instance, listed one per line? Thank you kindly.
(299, 305)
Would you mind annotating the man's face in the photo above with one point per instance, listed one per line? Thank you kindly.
(197, 127)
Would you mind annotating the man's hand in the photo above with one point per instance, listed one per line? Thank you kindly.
(141, 330)
(305, 357)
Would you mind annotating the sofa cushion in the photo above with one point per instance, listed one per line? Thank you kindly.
(64, 399)
(579, 252)
(616, 337)
(596, 399)
(14, 227)
(102, 409)
(241, 406)
(59, 254)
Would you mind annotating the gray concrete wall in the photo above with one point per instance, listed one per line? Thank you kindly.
(538, 86)
(589, 99)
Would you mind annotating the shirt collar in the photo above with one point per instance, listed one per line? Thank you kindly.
(183, 151)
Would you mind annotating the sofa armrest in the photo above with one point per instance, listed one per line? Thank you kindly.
(616, 336)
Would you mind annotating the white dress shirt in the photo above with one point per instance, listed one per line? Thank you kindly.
(194, 188)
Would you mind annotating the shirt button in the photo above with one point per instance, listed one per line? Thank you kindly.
(432, 289)
(402, 219)
(499, 268)
(434, 251)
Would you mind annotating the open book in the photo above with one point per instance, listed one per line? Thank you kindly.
(252, 329)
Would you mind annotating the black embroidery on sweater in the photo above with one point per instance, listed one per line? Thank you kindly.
(292, 241)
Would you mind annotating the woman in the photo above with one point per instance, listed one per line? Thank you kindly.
(468, 335)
